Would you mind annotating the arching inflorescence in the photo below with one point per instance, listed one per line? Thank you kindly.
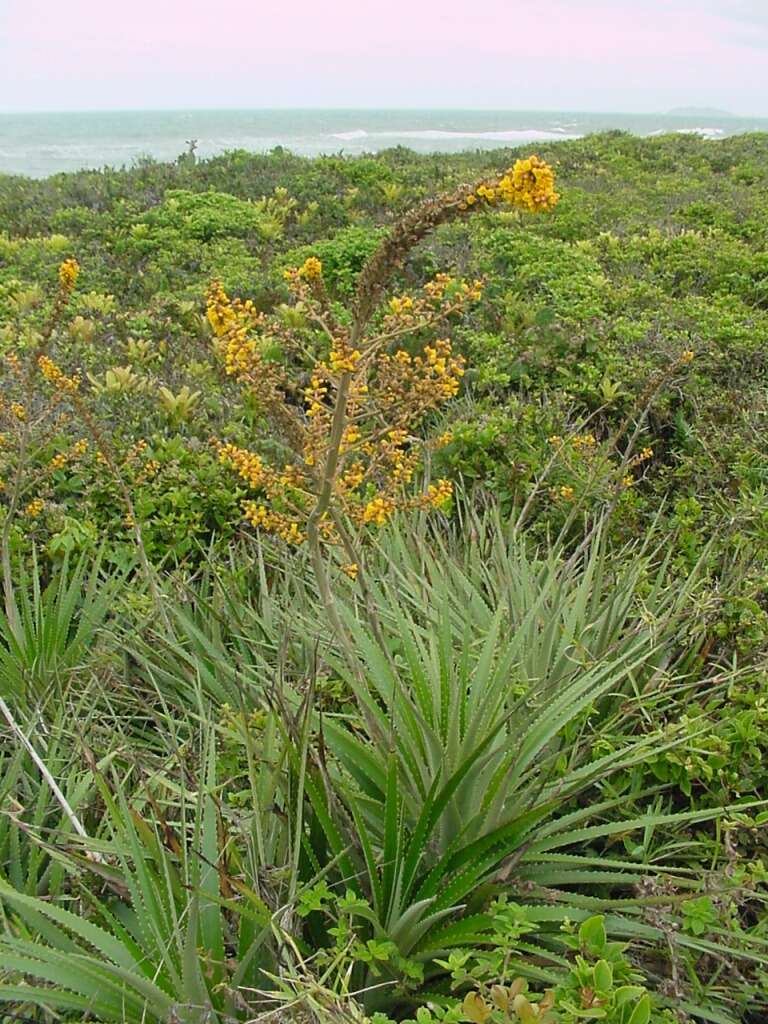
(348, 398)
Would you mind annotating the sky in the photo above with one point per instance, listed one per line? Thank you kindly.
(601, 55)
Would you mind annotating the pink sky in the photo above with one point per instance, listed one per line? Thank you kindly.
(590, 55)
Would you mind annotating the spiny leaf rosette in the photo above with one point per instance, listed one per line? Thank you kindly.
(349, 415)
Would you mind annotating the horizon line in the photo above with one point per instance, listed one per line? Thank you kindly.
(672, 112)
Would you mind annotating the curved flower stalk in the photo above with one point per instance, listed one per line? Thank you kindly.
(351, 429)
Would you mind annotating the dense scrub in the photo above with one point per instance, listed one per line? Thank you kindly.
(513, 771)
(657, 247)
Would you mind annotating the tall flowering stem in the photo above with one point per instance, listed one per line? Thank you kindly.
(351, 427)
(39, 376)
(19, 415)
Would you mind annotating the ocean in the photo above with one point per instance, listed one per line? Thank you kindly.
(38, 145)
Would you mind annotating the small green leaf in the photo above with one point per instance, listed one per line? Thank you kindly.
(603, 974)
(642, 1012)
(625, 993)
(592, 934)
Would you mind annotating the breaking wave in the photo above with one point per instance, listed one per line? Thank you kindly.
(437, 134)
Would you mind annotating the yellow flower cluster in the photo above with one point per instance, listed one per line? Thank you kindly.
(351, 477)
(256, 514)
(239, 353)
(402, 464)
(443, 286)
(149, 470)
(528, 185)
(446, 372)
(220, 314)
(438, 495)
(583, 442)
(642, 456)
(483, 192)
(282, 484)
(413, 385)
(378, 511)
(290, 476)
(34, 508)
(343, 358)
(349, 438)
(79, 448)
(438, 286)
(137, 448)
(401, 305)
(237, 326)
(284, 527)
(68, 273)
(311, 269)
(231, 322)
(315, 396)
(247, 465)
(18, 411)
(54, 375)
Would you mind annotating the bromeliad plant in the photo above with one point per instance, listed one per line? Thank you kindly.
(470, 770)
(47, 633)
(172, 930)
(374, 374)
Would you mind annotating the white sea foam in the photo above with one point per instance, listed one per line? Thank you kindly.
(358, 133)
(707, 133)
(511, 135)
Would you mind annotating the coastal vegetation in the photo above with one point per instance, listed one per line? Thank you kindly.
(384, 621)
